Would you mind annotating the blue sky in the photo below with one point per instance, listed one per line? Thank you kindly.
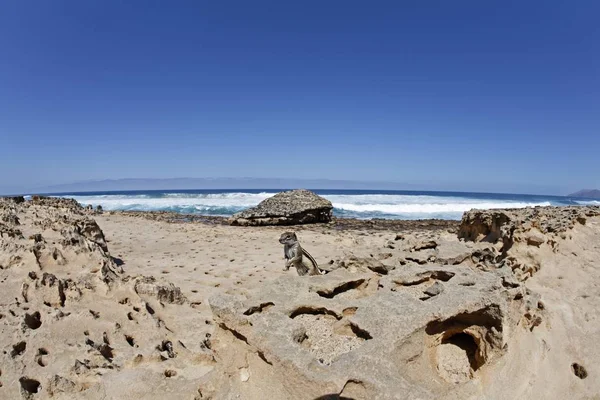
(476, 95)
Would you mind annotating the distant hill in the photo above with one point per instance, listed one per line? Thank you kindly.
(588, 193)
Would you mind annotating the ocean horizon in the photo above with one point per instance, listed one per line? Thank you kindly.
(360, 204)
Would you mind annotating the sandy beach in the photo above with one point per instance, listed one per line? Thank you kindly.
(114, 305)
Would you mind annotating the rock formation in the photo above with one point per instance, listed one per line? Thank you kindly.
(70, 317)
(449, 316)
(286, 208)
(504, 306)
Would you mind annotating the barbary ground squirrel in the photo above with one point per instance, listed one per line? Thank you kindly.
(297, 257)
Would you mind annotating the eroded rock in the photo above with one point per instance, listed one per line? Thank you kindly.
(287, 208)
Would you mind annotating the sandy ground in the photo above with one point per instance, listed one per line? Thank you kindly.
(203, 259)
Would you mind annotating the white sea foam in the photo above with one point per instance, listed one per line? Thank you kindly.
(358, 206)
(175, 201)
(431, 207)
(588, 202)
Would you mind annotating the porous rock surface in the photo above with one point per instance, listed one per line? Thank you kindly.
(459, 324)
(286, 208)
(73, 324)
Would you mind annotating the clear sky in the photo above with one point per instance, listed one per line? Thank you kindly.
(478, 95)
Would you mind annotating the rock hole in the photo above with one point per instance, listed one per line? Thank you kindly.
(465, 342)
(33, 321)
(129, 316)
(170, 373)
(39, 357)
(258, 309)
(330, 294)
(361, 333)
(167, 346)
(579, 370)
(130, 340)
(61, 293)
(149, 309)
(18, 349)
(262, 357)
(106, 351)
(313, 311)
(443, 276)
(29, 385)
(95, 314)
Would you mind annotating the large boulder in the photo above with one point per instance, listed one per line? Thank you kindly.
(286, 208)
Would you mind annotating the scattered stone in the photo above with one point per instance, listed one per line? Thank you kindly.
(535, 238)
(164, 292)
(424, 244)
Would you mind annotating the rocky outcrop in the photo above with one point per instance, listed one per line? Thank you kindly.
(413, 333)
(165, 292)
(57, 202)
(13, 199)
(516, 235)
(435, 317)
(286, 208)
(509, 225)
(69, 314)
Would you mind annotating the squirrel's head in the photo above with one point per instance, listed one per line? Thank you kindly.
(288, 238)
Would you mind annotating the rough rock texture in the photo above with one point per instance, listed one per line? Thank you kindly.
(73, 324)
(508, 225)
(518, 233)
(13, 199)
(381, 334)
(57, 202)
(463, 328)
(287, 208)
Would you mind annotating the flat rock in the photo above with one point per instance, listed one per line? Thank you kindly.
(453, 252)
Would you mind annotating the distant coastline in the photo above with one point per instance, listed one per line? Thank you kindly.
(587, 193)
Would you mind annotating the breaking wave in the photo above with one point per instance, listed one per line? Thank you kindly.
(364, 206)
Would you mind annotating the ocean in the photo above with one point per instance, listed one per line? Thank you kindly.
(361, 204)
